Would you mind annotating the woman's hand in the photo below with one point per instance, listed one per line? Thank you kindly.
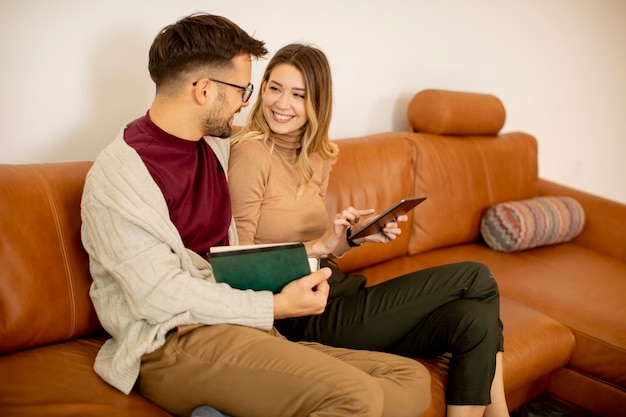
(389, 233)
(334, 238)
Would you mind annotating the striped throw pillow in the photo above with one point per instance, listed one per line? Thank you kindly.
(526, 224)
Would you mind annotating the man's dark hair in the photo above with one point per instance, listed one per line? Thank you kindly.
(199, 40)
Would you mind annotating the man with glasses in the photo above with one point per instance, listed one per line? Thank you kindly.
(155, 201)
(246, 92)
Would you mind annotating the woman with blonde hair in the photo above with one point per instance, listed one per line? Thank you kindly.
(278, 175)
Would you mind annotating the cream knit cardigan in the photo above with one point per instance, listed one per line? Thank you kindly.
(145, 282)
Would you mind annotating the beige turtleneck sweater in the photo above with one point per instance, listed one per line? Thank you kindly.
(263, 185)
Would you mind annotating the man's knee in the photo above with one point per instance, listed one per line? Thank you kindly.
(421, 388)
(361, 397)
(406, 387)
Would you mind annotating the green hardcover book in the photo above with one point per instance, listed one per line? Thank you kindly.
(260, 267)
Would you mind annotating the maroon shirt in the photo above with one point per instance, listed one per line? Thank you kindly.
(192, 181)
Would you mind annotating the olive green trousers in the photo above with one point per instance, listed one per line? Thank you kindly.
(451, 309)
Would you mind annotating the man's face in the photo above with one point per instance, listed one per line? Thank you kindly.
(228, 100)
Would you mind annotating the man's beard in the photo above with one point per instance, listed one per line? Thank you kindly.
(214, 124)
(218, 129)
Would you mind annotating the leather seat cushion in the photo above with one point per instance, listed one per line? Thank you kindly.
(554, 280)
(58, 380)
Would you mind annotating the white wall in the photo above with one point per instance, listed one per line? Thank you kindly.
(73, 71)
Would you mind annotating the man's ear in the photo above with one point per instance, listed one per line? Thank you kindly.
(201, 90)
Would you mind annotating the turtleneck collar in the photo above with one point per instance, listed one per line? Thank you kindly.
(288, 145)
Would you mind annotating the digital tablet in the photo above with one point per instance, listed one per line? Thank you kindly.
(375, 225)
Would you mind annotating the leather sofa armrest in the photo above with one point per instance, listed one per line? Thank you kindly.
(605, 220)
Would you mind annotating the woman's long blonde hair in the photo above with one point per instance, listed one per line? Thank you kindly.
(313, 65)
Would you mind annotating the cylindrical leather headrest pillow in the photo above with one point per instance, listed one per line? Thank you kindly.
(444, 112)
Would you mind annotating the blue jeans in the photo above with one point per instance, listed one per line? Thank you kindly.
(207, 411)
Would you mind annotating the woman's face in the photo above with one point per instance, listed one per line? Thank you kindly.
(284, 98)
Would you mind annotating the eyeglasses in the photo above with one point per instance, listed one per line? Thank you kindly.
(246, 92)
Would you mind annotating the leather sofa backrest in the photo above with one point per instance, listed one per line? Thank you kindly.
(44, 275)
(443, 112)
(372, 172)
(464, 165)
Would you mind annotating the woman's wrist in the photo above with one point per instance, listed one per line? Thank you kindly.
(344, 245)
(314, 249)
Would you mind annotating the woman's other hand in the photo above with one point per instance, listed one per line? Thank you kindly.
(388, 234)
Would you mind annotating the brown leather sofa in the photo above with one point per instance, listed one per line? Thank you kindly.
(562, 305)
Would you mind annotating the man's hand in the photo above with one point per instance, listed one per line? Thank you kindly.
(303, 297)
